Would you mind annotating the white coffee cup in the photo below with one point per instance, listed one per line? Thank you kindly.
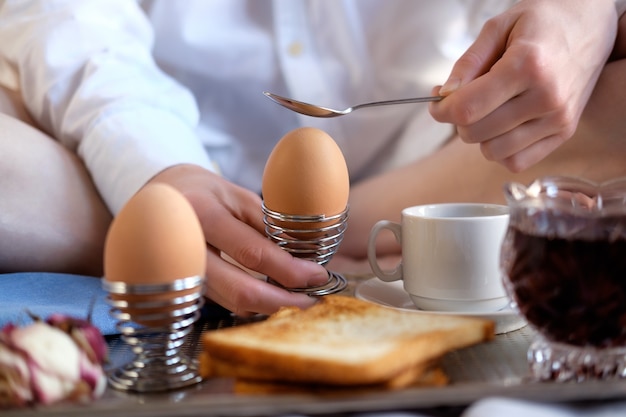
(450, 256)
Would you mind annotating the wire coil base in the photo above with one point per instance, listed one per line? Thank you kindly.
(154, 321)
(315, 238)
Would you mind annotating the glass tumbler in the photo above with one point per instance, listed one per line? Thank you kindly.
(563, 262)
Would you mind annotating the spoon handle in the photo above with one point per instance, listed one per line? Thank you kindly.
(400, 101)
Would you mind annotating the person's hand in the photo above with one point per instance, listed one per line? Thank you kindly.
(520, 89)
(232, 221)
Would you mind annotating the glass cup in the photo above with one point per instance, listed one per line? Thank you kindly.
(563, 260)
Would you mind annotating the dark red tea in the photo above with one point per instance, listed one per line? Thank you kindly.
(572, 290)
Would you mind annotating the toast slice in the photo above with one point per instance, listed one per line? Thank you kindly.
(339, 341)
(421, 376)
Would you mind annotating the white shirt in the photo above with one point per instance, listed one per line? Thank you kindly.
(93, 83)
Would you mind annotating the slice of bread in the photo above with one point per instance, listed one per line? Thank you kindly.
(421, 376)
(339, 341)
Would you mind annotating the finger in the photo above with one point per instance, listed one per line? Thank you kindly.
(518, 139)
(480, 56)
(483, 95)
(251, 213)
(254, 251)
(243, 294)
(530, 155)
(506, 118)
(433, 108)
(533, 154)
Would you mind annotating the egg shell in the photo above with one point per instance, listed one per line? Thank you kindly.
(155, 239)
(306, 174)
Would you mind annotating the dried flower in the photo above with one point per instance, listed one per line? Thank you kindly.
(49, 361)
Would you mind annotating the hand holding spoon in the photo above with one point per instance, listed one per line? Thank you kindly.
(319, 111)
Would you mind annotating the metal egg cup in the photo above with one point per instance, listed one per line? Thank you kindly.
(154, 321)
(317, 244)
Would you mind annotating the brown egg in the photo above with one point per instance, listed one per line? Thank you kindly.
(155, 239)
(306, 174)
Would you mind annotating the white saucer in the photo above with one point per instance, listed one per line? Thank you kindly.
(392, 294)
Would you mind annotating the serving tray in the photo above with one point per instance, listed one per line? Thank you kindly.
(497, 368)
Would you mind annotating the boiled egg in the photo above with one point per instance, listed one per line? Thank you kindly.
(155, 239)
(306, 175)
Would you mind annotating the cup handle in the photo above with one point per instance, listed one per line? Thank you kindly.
(396, 229)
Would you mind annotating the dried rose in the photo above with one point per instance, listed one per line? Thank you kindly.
(15, 388)
(46, 362)
(85, 334)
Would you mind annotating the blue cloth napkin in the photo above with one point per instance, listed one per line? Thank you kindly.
(43, 293)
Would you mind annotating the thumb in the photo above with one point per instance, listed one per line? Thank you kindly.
(479, 57)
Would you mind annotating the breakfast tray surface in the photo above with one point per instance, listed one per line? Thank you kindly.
(497, 368)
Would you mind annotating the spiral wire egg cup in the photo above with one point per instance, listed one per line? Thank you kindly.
(154, 321)
(317, 244)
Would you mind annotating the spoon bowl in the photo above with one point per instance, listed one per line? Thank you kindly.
(320, 111)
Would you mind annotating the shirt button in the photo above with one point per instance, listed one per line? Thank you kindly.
(295, 49)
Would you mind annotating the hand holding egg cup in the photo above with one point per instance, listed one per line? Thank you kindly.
(155, 299)
(305, 206)
(315, 238)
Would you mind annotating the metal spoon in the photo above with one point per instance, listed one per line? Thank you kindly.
(319, 111)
